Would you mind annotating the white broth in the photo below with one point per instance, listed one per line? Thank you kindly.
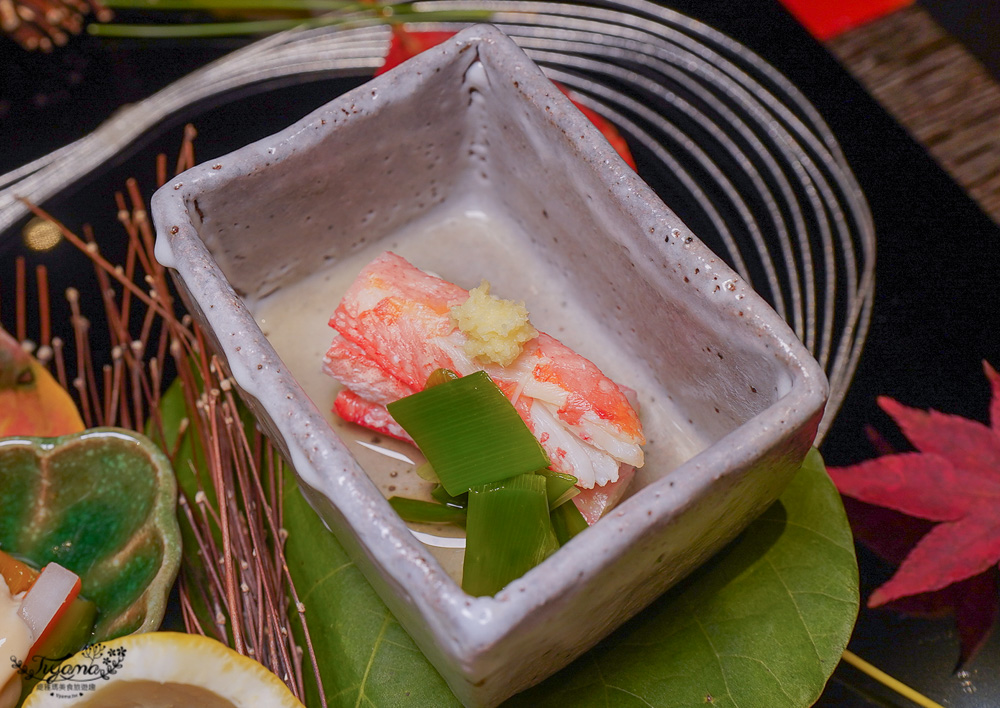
(464, 242)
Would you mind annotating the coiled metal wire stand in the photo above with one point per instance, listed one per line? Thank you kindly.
(726, 140)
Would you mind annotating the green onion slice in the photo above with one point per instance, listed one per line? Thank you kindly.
(440, 376)
(560, 487)
(508, 532)
(469, 432)
(424, 512)
(459, 502)
(426, 472)
(567, 522)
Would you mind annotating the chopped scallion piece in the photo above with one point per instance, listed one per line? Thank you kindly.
(459, 502)
(440, 376)
(567, 522)
(559, 487)
(508, 532)
(426, 472)
(417, 511)
(469, 432)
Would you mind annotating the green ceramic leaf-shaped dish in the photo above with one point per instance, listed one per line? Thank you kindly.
(101, 503)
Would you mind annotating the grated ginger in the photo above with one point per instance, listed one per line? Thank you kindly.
(496, 328)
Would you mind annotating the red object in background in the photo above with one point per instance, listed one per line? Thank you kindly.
(609, 131)
(408, 44)
(934, 512)
(825, 19)
(974, 602)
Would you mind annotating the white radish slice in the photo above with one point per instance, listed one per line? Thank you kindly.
(49, 596)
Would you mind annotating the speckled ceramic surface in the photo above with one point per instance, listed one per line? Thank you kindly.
(475, 113)
(102, 504)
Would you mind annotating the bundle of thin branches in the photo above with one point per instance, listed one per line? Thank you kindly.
(234, 584)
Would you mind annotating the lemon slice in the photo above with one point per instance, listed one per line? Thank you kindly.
(161, 670)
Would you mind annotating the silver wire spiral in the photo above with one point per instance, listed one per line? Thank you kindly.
(729, 143)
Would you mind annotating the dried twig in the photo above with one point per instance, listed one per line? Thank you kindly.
(44, 24)
(234, 512)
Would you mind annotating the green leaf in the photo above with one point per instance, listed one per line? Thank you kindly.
(190, 467)
(763, 623)
(365, 656)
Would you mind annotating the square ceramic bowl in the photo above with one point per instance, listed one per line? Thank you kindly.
(731, 400)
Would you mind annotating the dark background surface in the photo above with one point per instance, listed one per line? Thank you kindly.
(935, 317)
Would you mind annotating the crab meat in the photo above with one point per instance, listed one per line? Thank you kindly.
(393, 328)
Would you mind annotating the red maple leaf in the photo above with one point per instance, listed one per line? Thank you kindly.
(406, 44)
(934, 511)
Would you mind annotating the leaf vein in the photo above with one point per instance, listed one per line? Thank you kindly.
(371, 659)
(633, 694)
(600, 677)
(798, 610)
(838, 543)
(767, 668)
(715, 652)
(834, 598)
(320, 581)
